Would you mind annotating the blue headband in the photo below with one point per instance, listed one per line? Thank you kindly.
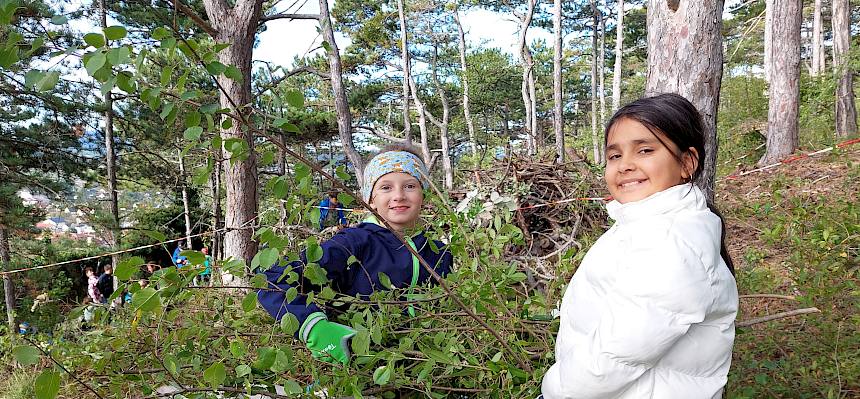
(392, 161)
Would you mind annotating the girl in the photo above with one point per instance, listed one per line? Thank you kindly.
(394, 180)
(650, 312)
(92, 286)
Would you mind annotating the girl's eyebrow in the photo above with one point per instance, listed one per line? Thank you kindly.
(616, 146)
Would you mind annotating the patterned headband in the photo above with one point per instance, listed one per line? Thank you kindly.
(392, 161)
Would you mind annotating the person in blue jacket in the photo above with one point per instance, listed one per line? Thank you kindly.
(394, 183)
(327, 217)
(178, 259)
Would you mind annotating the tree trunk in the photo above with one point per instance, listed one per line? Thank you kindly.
(185, 205)
(422, 123)
(685, 56)
(846, 113)
(344, 117)
(8, 288)
(527, 88)
(217, 251)
(447, 167)
(467, 114)
(601, 70)
(237, 25)
(557, 96)
(595, 140)
(281, 170)
(817, 42)
(619, 56)
(768, 37)
(407, 71)
(110, 155)
(784, 89)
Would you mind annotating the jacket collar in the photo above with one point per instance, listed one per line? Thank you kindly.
(375, 226)
(670, 200)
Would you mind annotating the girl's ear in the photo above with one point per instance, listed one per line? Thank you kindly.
(689, 164)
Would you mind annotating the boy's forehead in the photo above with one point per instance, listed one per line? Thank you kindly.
(396, 176)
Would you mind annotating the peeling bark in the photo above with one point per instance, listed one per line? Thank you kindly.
(784, 89)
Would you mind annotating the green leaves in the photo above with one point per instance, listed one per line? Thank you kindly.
(146, 299)
(194, 257)
(265, 259)
(215, 374)
(192, 133)
(115, 32)
(315, 274)
(47, 385)
(249, 302)
(215, 68)
(127, 268)
(382, 375)
(26, 355)
(289, 324)
(94, 39)
(233, 73)
(295, 99)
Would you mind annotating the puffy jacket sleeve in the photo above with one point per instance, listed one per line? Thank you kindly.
(659, 291)
(336, 253)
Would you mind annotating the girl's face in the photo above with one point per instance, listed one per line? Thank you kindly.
(398, 197)
(639, 165)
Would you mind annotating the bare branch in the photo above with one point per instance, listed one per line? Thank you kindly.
(372, 130)
(777, 316)
(298, 71)
(196, 18)
(291, 17)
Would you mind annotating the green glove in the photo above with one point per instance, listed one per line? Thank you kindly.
(327, 341)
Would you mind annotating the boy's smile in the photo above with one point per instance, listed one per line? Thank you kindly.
(398, 198)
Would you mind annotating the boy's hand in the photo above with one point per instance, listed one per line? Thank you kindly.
(329, 341)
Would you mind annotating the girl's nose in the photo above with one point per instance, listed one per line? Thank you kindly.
(626, 165)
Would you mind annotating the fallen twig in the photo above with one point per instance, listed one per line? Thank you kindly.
(777, 316)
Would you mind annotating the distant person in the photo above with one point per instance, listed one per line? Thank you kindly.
(650, 312)
(178, 259)
(92, 286)
(105, 283)
(331, 212)
(205, 277)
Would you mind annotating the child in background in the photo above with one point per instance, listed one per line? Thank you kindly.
(650, 312)
(92, 285)
(394, 180)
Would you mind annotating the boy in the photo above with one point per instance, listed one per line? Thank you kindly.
(394, 183)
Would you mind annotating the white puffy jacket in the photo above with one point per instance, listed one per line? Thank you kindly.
(650, 313)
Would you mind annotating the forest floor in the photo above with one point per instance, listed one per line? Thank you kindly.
(794, 231)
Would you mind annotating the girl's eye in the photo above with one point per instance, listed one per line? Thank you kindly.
(410, 186)
(613, 156)
(646, 151)
(384, 187)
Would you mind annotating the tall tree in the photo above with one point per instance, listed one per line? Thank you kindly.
(619, 55)
(110, 157)
(846, 113)
(237, 25)
(528, 84)
(467, 112)
(784, 89)
(407, 70)
(595, 140)
(685, 56)
(601, 67)
(817, 42)
(558, 107)
(341, 105)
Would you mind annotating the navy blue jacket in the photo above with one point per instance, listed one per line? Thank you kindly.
(377, 250)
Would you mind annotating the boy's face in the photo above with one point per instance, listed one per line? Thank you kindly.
(398, 197)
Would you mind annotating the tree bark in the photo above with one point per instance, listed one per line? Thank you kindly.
(685, 56)
(557, 95)
(344, 117)
(817, 42)
(768, 37)
(281, 170)
(601, 70)
(186, 207)
(407, 70)
(846, 113)
(237, 25)
(110, 155)
(784, 89)
(595, 140)
(422, 123)
(467, 113)
(8, 288)
(619, 56)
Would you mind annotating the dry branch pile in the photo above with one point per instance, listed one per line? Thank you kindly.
(550, 213)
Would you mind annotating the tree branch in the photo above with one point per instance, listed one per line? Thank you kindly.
(273, 17)
(196, 18)
(777, 316)
(382, 135)
(297, 71)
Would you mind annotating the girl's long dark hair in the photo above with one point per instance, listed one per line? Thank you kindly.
(676, 119)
